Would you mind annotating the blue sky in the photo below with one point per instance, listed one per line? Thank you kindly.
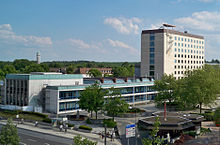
(99, 30)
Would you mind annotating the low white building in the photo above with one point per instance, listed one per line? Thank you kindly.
(26, 90)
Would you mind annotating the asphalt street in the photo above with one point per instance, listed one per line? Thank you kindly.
(28, 137)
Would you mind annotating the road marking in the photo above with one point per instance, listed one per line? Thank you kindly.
(21, 143)
(31, 140)
(46, 143)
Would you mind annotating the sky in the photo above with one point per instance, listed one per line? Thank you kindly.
(99, 30)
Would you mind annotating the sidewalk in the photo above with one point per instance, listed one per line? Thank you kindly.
(69, 134)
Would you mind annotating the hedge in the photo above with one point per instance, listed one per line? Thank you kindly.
(70, 125)
(85, 127)
(47, 120)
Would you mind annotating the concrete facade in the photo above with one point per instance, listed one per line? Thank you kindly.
(165, 51)
(28, 89)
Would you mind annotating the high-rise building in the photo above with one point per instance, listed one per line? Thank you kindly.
(167, 51)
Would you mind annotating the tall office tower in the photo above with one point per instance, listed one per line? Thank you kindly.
(38, 57)
(167, 51)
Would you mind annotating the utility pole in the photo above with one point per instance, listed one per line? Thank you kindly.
(105, 134)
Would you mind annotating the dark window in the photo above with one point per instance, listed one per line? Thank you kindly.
(151, 73)
(151, 49)
(151, 67)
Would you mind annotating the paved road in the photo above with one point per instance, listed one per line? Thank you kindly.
(28, 137)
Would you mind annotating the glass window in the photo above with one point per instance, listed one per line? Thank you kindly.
(151, 61)
(151, 43)
(152, 37)
(151, 49)
(152, 55)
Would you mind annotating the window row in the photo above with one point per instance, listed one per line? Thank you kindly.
(189, 62)
(192, 51)
(187, 67)
(188, 40)
(189, 56)
(188, 45)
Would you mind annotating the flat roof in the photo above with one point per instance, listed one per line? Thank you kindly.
(116, 85)
(43, 76)
(172, 32)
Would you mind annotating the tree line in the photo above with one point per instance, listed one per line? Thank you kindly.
(198, 88)
(120, 69)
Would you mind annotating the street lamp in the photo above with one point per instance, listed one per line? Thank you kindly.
(135, 125)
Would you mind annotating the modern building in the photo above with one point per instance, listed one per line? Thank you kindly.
(27, 90)
(59, 93)
(167, 51)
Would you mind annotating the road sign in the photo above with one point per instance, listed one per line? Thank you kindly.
(130, 130)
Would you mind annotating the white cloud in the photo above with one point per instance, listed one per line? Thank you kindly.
(79, 43)
(204, 20)
(116, 43)
(8, 36)
(124, 25)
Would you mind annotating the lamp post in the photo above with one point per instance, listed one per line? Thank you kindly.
(135, 125)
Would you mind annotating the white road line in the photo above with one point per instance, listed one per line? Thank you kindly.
(21, 143)
(31, 140)
(46, 143)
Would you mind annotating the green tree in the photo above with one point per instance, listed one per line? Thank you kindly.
(70, 69)
(2, 74)
(114, 105)
(202, 86)
(166, 88)
(77, 140)
(20, 64)
(153, 139)
(120, 72)
(94, 73)
(35, 68)
(92, 99)
(8, 69)
(9, 134)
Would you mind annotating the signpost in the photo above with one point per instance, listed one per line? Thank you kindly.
(130, 131)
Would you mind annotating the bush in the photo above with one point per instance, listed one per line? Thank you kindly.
(47, 120)
(88, 121)
(134, 110)
(204, 130)
(70, 125)
(35, 113)
(85, 127)
(190, 133)
(208, 116)
(109, 123)
(217, 114)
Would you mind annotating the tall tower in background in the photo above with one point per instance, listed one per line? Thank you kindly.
(38, 57)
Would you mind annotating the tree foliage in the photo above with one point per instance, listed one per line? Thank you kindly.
(77, 140)
(166, 88)
(94, 73)
(153, 139)
(114, 105)
(199, 87)
(92, 99)
(9, 135)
